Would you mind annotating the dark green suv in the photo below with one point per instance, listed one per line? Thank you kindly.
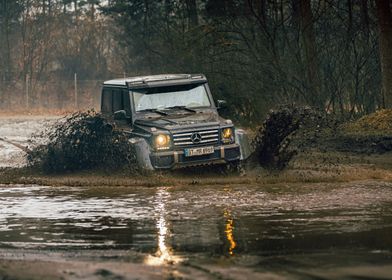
(172, 120)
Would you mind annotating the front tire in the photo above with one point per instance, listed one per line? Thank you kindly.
(235, 167)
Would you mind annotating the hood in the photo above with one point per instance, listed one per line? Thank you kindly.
(179, 121)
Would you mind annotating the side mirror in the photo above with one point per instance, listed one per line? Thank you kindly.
(222, 104)
(120, 115)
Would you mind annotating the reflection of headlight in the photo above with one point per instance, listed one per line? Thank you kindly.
(162, 141)
(227, 135)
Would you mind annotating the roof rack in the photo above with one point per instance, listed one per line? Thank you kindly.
(166, 80)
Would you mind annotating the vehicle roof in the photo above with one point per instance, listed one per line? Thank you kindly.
(156, 79)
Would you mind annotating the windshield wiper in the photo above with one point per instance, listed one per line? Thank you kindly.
(183, 108)
(155, 111)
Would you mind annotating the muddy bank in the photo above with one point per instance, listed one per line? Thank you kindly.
(310, 166)
(39, 266)
(29, 264)
(293, 145)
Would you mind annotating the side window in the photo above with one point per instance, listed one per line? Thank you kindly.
(117, 100)
(114, 100)
(106, 106)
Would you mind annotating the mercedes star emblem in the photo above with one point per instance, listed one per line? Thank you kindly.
(196, 138)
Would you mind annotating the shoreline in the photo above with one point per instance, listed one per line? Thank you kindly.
(306, 168)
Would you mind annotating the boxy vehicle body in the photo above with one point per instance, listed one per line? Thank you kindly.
(173, 121)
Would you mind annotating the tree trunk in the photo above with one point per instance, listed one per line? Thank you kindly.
(192, 13)
(44, 7)
(365, 14)
(92, 11)
(262, 10)
(75, 2)
(350, 18)
(385, 38)
(309, 41)
(5, 30)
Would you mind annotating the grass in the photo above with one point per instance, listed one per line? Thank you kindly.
(378, 123)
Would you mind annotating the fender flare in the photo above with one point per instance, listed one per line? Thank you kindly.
(242, 139)
(142, 149)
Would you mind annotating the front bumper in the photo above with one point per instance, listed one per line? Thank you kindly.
(176, 159)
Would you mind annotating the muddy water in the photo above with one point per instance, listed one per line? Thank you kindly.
(19, 130)
(310, 225)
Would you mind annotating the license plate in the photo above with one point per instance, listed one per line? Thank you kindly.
(199, 151)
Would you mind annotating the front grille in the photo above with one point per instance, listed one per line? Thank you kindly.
(208, 136)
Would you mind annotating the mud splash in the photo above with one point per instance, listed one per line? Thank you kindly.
(285, 132)
(290, 131)
(18, 130)
(84, 140)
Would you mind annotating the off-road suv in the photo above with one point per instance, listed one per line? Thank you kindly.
(172, 120)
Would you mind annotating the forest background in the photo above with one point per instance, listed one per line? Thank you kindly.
(333, 55)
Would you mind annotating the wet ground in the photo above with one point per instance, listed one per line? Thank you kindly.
(228, 231)
(341, 231)
(19, 129)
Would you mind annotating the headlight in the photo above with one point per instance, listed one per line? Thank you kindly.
(162, 142)
(227, 135)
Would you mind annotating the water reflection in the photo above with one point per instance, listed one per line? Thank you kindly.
(169, 224)
(229, 227)
(164, 253)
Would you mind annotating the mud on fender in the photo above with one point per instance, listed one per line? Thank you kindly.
(242, 139)
(142, 150)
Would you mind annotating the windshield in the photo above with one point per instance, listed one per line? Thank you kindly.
(160, 98)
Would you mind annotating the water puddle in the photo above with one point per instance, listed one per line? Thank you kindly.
(171, 224)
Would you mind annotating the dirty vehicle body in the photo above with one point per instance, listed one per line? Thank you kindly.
(173, 121)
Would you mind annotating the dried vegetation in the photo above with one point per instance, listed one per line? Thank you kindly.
(378, 123)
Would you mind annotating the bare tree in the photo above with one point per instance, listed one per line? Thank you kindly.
(192, 13)
(385, 26)
(309, 41)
